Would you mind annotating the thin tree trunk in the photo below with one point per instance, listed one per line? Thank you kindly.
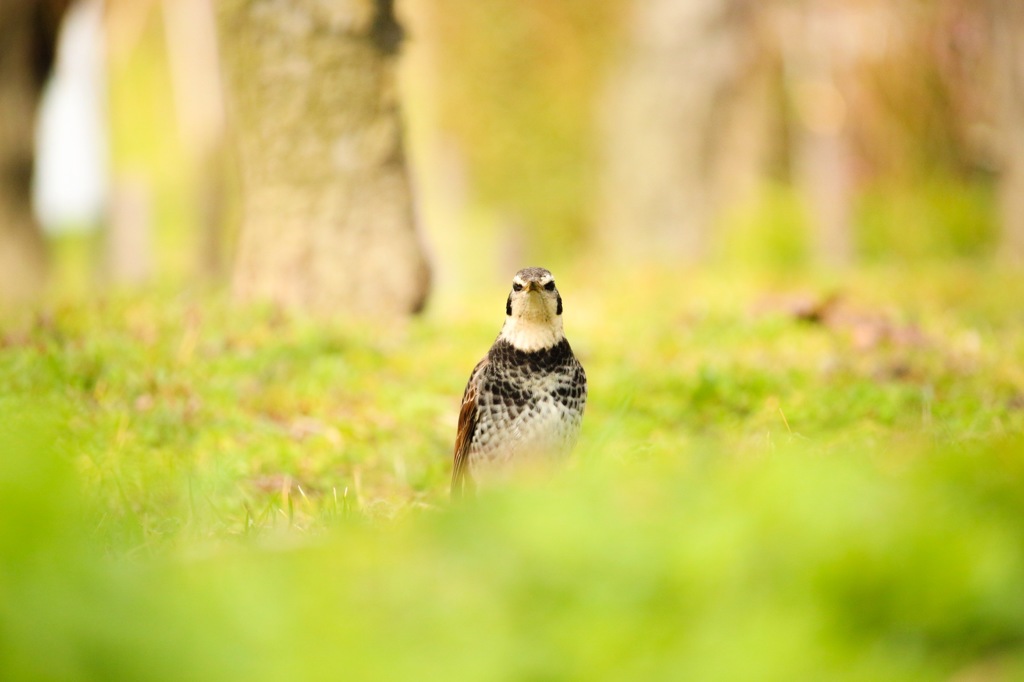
(198, 99)
(815, 65)
(28, 36)
(1008, 28)
(328, 220)
(668, 114)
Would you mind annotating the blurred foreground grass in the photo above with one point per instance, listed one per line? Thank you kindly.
(769, 485)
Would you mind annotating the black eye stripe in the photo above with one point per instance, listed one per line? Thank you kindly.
(516, 286)
(550, 286)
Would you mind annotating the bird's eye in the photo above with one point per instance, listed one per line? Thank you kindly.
(516, 286)
(550, 286)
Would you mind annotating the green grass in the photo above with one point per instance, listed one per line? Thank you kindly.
(189, 490)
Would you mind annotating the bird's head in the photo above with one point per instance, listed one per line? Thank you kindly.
(533, 312)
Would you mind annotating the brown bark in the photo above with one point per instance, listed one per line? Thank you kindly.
(1008, 29)
(28, 37)
(328, 219)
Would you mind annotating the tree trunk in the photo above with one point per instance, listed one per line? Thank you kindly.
(1008, 29)
(815, 66)
(328, 222)
(28, 36)
(669, 114)
(198, 100)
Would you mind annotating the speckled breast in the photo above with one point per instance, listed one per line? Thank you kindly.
(530, 405)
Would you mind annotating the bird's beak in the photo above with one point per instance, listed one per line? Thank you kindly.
(533, 286)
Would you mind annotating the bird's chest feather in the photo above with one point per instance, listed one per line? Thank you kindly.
(526, 408)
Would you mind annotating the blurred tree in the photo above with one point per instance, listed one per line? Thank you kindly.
(820, 42)
(328, 221)
(28, 38)
(684, 124)
(131, 225)
(919, 110)
(191, 33)
(1008, 27)
(842, 100)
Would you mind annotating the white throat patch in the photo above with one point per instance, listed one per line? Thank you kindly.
(532, 334)
(533, 323)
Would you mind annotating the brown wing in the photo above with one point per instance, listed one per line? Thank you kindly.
(461, 479)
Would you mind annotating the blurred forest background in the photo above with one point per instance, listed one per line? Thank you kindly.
(789, 235)
(774, 133)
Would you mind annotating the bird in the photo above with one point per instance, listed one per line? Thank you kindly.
(524, 400)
